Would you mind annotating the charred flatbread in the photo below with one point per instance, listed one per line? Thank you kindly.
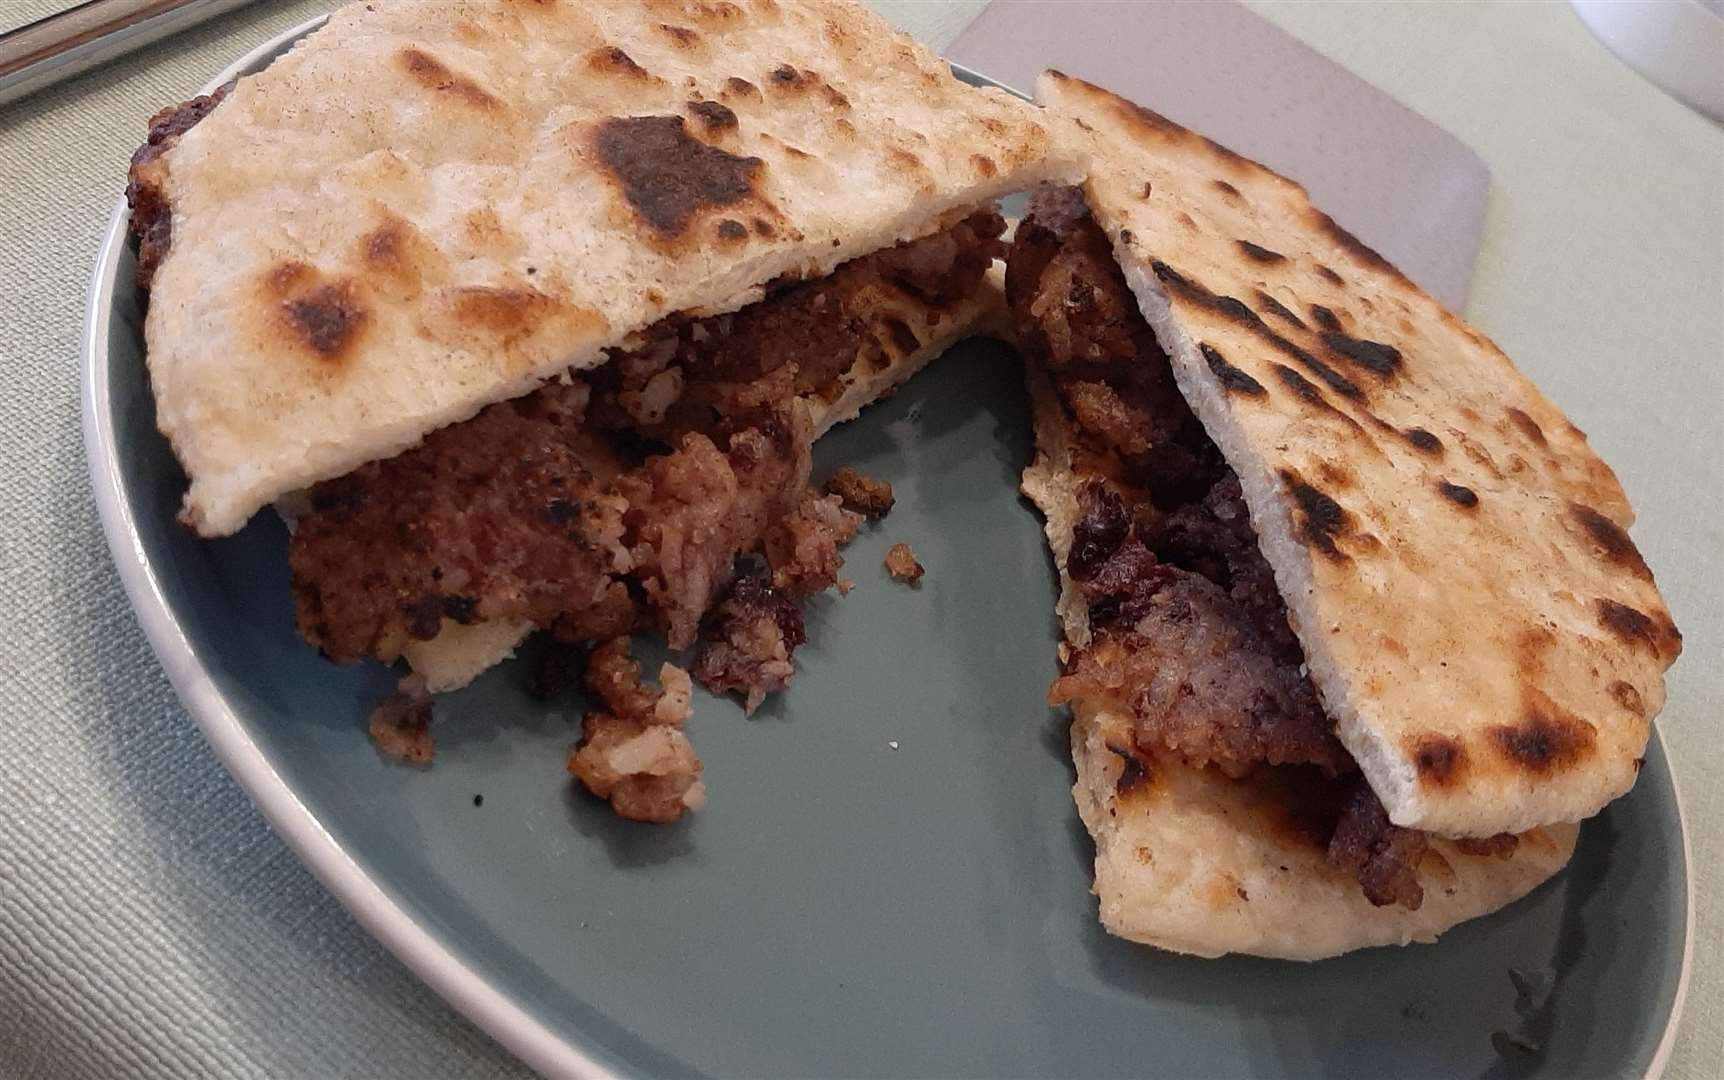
(429, 206)
(1193, 861)
(527, 314)
(1235, 807)
(1455, 559)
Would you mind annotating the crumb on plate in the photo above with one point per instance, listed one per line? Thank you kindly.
(902, 565)
(635, 755)
(860, 494)
(400, 726)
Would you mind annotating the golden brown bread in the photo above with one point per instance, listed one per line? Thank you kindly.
(1193, 862)
(429, 205)
(1455, 558)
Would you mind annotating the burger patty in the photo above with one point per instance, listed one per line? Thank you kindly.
(1200, 678)
(1189, 634)
(719, 373)
(620, 500)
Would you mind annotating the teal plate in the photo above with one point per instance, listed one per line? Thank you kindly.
(890, 878)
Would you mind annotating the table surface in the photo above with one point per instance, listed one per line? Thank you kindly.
(152, 925)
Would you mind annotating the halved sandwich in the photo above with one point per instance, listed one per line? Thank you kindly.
(1355, 632)
(527, 314)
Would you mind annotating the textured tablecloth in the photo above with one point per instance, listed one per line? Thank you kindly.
(151, 925)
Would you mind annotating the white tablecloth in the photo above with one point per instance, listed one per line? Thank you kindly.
(150, 925)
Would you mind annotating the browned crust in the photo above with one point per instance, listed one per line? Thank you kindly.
(668, 177)
(432, 74)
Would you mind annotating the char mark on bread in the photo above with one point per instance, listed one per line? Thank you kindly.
(432, 74)
(1230, 377)
(668, 177)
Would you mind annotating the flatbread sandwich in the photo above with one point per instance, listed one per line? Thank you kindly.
(1354, 630)
(527, 314)
(526, 317)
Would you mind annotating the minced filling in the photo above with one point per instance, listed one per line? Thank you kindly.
(1189, 634)
(620, 500)
(633, 753)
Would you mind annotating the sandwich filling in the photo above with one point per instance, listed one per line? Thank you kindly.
(1188, 633)
(621, 499)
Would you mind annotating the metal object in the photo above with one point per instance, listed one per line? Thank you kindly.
(91, 34)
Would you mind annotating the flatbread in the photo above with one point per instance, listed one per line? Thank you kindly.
(1195, 863)
(1455, 558)
(1190, 861)
(459, 654)
(429, 205)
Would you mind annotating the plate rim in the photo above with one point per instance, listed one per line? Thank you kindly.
(374, 906)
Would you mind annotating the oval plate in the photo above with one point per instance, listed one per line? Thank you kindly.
(890, 878)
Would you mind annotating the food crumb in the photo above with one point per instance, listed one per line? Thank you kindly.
(400, 726)
(860, 494)
(478, 800)
(893, 743)
(902, 565)
(635, 755)
(746, 642)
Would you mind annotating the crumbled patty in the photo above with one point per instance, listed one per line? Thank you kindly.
(902, 565)
(1383, 856)
(400, 726)
(802, 546)
(497, 518)
(861, 494)
(1189, 632)
(1073, 311)
(1213, 538)
(694, 511)
(619, 500)
(1195, 674)
(720, 373)
(503, 518)
(747, 640)
(634, 753)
